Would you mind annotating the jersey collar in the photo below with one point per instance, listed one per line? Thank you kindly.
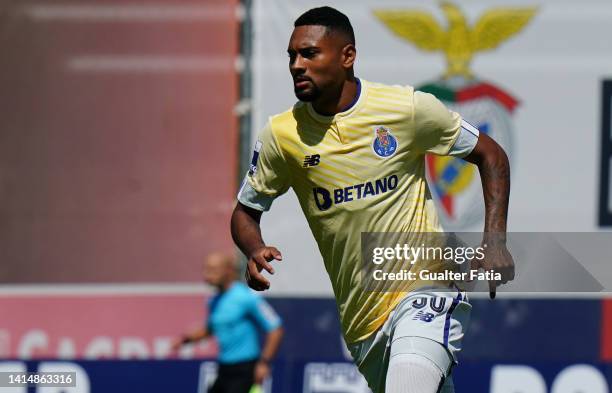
(351, 108)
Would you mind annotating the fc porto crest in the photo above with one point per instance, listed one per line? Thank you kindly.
(455, 184)
(384, 143)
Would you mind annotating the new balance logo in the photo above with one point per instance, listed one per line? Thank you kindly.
(423, 316)
(312, 160)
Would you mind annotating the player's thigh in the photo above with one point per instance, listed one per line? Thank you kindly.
(424, 348)
(372, 358)
(441, 317)
(413, 373)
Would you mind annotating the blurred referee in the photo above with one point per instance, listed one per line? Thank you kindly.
(235, 314)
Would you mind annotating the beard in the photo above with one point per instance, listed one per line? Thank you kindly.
(308, 94)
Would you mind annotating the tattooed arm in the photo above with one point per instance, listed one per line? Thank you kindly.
(492, 162)
(494, 168)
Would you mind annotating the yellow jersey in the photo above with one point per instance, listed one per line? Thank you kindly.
(361, 170)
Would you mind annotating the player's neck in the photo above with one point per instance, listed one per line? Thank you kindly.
(340, 101)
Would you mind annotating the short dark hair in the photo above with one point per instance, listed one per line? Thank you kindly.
(329, 17)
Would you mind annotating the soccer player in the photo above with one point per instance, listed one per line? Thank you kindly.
(354, 153)
(235, 313)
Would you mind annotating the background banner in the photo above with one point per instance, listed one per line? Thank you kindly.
(537, 90)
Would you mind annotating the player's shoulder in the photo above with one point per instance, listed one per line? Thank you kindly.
(389, 92)
(283, 125)
(291, 115)
(428, 104)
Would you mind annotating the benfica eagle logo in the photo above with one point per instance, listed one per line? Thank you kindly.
(455, 184)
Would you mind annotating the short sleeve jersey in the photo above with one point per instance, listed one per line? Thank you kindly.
(361, 170)
(234, 319)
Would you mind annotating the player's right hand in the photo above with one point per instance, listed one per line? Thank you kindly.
(258, 261)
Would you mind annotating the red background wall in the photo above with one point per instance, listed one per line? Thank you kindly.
(118, 142)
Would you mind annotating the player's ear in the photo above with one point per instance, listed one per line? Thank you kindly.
(349, 54)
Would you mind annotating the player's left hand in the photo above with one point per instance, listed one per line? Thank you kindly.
(498, 259)
(262, 371)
